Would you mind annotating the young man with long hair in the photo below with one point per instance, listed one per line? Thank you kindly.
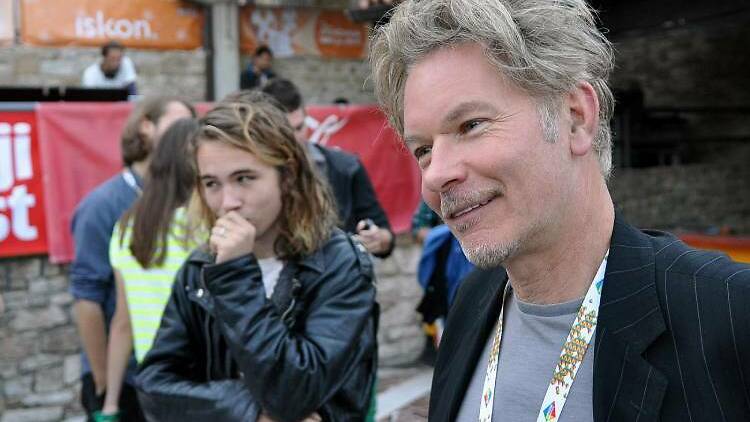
(274, 318)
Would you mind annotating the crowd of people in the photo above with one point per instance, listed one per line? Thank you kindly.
(226, 273)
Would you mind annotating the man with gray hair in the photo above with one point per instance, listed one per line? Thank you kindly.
(575, 315)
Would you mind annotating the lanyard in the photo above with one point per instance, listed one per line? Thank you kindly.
(129, 178)
(571, 356)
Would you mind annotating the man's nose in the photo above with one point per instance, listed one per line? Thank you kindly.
(446, 166)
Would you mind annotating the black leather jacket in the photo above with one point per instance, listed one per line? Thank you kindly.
(352, 188)
(224, 352)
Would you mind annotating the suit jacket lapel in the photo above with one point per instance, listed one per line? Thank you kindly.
(471, 320)
(626, 386)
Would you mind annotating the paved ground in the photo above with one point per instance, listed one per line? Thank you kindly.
(403, 393)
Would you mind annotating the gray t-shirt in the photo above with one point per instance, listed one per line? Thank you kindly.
(533, 336)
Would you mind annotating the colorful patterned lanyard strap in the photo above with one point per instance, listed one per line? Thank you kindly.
(571, 356)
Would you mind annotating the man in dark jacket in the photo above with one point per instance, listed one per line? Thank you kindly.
(359, 209)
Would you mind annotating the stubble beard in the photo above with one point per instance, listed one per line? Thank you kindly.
(486, 256)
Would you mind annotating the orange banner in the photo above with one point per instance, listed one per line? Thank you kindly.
(294, 31)
(738, 248)
(158, 24)
(6, 22)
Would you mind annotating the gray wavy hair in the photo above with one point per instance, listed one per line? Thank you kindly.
(545, 46)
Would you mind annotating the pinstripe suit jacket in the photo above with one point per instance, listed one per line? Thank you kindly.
(672, 343)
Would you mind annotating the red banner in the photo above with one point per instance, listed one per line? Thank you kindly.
(363, 131)
(22, 225)
(80, 149)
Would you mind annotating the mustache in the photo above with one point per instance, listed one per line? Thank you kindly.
(452, 202)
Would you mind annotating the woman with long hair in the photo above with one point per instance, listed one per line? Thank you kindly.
(148, 246)
(274, 318)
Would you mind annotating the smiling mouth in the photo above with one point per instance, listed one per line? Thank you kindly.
(470, 209)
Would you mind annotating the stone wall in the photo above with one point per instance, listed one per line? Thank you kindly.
(700, 197)
(181, 72)
(702, 66)
(323, 80)
(159, 72)
(39, 344)
(39, 361)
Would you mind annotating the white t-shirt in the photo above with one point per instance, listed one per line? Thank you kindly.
(270, 268)
(93, 77)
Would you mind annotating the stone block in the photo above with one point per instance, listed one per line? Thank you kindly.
(49, 269)
(71, 369)
(402, 353)
(59, 67)
(26, 268)
(61, 299)
(39, 318)
(27, 64)
(8, 369)
(61, 340)
(6, 71)
(400, 332)
(18, 387)
(47, 399)
(48, 380)
(58, 283)
(17, 283)
(39, 414)
(19, 300)
(40, 286)
(39, 361)
(401, 314)
(18, 346)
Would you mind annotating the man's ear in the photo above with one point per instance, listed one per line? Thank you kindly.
(147, 130)
(583, 108)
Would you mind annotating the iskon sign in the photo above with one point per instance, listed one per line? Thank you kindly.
(101, 26)
(156, 24)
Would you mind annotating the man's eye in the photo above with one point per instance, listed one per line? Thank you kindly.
(469, 125)
(209, 184)
(421, 151)
(245, 179)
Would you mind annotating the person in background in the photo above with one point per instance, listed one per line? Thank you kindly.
(114, 70)
(423, 220)
(358, 207)
(275, 317)
(259, 70)
(442, 266)
(90, 274)
(576, 315)
(150, 243)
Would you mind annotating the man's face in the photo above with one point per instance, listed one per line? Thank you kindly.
(111, 62)
(236, 180)
(297, 120)
(486, 168)
(173, 112)
(263, 61)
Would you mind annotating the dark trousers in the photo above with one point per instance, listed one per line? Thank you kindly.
(130, 410)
